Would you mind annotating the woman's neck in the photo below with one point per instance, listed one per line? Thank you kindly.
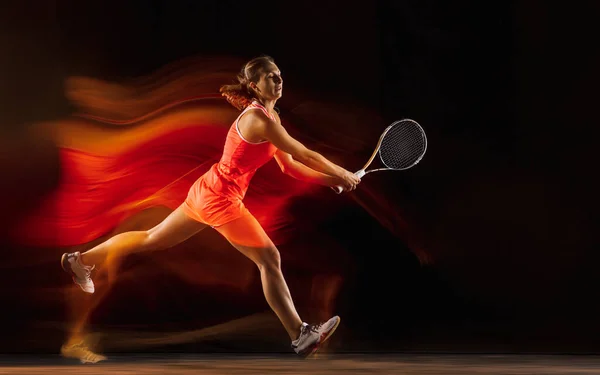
(268, 104)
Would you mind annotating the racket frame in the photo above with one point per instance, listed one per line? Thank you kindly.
(378, 147)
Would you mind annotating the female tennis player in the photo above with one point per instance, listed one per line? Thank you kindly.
(216, 199)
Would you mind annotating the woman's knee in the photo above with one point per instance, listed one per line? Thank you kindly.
(269, 258)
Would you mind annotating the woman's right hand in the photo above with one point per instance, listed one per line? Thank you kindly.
(348, 180)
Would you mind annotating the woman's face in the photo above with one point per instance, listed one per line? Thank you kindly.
(270, 84)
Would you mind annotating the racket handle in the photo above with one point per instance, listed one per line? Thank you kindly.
(338, 189)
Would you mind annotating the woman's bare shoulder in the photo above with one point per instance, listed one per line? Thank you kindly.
(255, 116)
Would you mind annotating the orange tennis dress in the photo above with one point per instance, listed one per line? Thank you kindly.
(216, 197)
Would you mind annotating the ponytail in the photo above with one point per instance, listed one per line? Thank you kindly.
(238, 94)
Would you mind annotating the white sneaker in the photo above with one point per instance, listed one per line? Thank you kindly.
(81, 274)
(311, 336)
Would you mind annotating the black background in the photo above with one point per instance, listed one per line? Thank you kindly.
(506, 91)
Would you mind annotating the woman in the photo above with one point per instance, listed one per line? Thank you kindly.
(216, 199)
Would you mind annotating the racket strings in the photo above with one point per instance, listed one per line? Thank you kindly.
(403, 145)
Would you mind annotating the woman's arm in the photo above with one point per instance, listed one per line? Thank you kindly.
(279, 137)
(300, 171)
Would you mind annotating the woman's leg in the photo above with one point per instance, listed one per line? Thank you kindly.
(247, 235)
(174, 229)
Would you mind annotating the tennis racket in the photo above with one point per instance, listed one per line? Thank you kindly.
(401, 146)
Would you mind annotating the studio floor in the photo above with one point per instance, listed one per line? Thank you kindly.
(406, 364)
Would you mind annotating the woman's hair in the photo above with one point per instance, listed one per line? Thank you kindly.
(240, 95)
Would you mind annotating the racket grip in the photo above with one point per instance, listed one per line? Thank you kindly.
(338, 189)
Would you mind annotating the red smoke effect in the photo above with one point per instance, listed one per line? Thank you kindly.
(134, 168)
